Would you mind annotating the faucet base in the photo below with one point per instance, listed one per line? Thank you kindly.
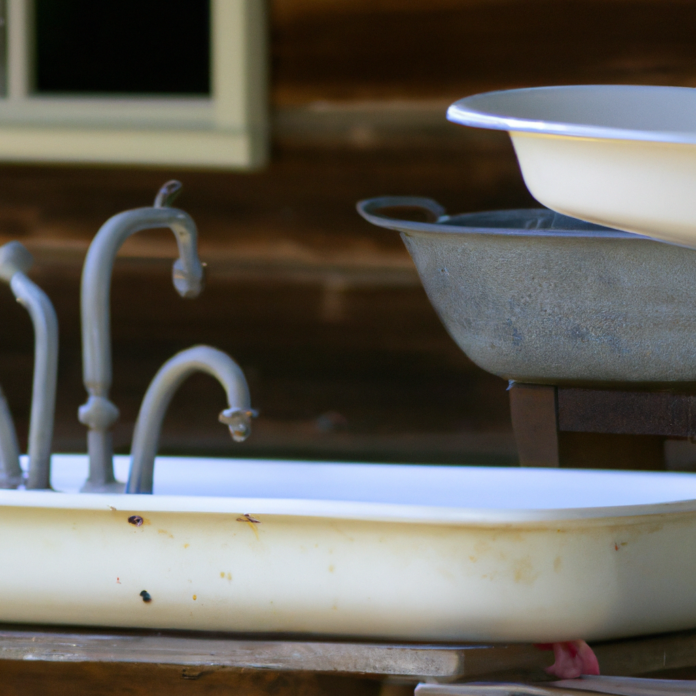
(111, 487)
(101, 466)
(11, 481)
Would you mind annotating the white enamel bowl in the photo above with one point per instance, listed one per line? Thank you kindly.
(376, 551)
(616, 155)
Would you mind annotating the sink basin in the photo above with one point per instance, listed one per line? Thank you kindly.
(616, 155)
(377, 551)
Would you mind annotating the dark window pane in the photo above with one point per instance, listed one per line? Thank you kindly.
(125, 46)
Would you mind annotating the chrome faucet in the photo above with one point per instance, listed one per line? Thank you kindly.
(159, 394)
(99, 413)
(15, 261)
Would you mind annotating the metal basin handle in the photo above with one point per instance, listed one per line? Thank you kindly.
(374, 210)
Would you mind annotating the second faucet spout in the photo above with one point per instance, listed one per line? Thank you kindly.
(160, 392)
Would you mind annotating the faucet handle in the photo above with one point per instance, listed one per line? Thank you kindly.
(14, 258)
(167, 194)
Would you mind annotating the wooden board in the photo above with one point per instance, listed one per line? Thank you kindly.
(616, 686)
(412, 662)
(170, 662)
(140, 662)
(117, 679)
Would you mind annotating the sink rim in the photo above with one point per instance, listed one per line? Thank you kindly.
(368, 510)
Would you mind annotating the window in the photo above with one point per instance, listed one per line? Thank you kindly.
(155, 82)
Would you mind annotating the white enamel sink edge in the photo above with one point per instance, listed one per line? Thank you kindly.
(616, 155)
(69, 471)
(334, 509)
(356, 569)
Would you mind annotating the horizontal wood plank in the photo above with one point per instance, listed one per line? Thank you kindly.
(31, 678)
(383, 50)
(383, 660)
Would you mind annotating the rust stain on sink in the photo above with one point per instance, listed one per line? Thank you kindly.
(251, 521)
(523, 571)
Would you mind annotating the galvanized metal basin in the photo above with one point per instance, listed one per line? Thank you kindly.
(536, 296)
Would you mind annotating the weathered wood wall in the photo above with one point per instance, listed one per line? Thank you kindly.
(345, 357)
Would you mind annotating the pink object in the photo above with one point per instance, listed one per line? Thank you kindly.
(572, 659)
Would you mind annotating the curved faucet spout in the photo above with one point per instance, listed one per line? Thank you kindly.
(15, 261)
(160, 392)
(98, 413)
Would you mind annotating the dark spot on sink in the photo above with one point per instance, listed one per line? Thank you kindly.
(146, 596)
(248, 518)
(135, 520)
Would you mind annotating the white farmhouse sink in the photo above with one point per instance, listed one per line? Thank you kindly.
(379, 551)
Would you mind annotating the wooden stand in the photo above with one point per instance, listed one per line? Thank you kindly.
(597, 428)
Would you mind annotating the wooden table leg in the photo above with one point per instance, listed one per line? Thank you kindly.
(534, 414)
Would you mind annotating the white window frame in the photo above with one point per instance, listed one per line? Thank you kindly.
(227, 130)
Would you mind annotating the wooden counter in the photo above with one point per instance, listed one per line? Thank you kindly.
(37, 660)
